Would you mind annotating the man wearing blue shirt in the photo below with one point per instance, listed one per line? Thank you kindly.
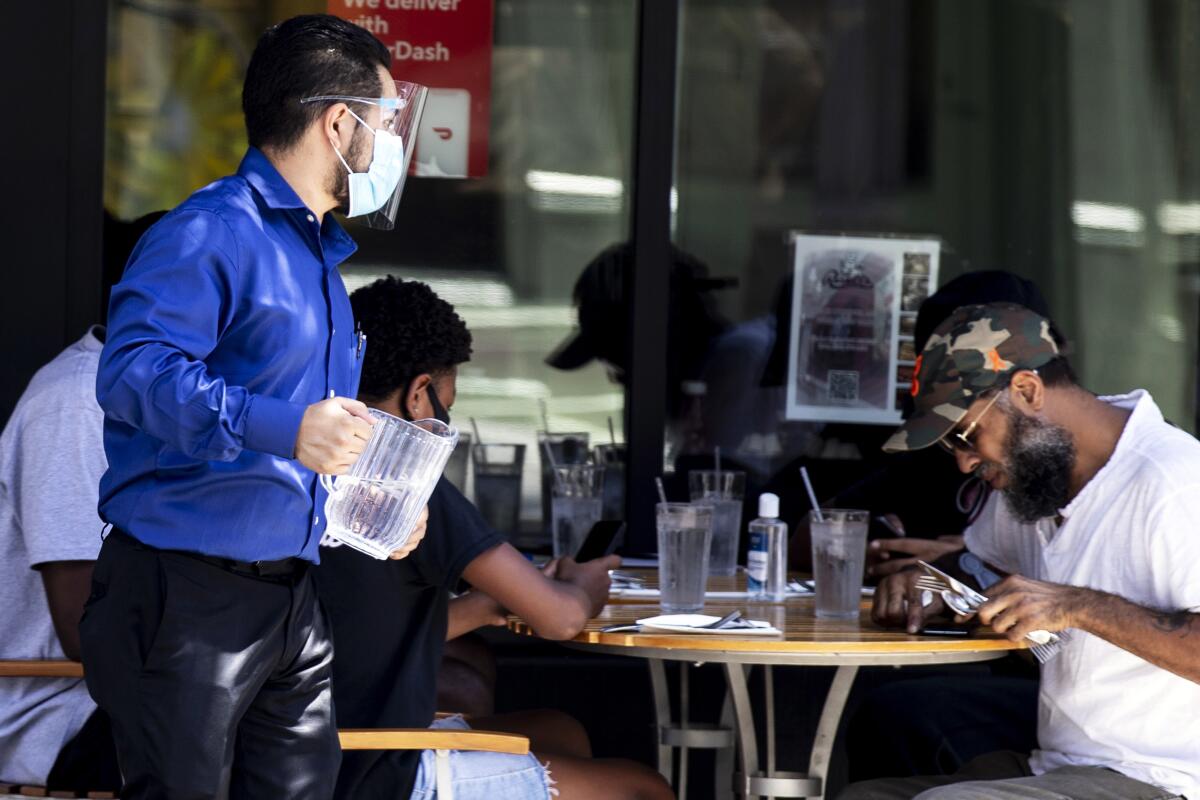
(227, 383)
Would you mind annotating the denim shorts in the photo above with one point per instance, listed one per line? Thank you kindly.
(484, 776)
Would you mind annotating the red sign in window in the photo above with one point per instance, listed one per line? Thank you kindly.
(447, 46)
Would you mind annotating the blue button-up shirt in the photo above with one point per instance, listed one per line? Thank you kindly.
(230, 320)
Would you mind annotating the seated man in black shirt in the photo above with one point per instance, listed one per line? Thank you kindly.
(391, 619)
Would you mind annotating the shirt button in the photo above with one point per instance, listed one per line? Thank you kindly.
(316, 520)
(311, 218)
(331, 394)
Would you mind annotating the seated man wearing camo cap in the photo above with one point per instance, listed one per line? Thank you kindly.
(1095, 520)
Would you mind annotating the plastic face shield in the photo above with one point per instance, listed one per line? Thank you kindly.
(399, 115)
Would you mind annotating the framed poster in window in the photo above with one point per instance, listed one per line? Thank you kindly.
(854, 310)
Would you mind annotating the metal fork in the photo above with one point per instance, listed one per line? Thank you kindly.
(1045, 644)
(732, 616)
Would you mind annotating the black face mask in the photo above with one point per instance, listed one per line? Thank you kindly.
(439, 411)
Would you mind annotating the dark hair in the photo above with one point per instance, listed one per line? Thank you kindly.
(1057, 372)
(305, 56)
(410, 331)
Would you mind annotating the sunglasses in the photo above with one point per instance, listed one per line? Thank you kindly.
(960, 441)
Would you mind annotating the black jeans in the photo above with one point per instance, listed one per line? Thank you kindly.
(217, 683)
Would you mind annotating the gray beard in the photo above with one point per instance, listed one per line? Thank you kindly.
(1038, 467)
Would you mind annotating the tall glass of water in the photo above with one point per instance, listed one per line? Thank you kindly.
(724, 491)
(575, 507)
(456, 467)
(612, 458)
(684, 538)
(497, 469)
(839, 547)
(566, 448)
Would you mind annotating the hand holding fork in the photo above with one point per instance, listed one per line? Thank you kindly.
(966, 602)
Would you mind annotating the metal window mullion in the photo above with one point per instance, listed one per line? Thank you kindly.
(650, 236)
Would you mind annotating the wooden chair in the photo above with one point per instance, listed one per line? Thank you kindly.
(440, 741)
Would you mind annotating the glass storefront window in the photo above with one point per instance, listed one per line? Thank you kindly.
(1050, 138)
(505, 249)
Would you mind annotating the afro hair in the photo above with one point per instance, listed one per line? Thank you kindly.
(410, 331)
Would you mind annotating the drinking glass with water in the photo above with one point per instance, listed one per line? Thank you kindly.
(576, 506)
(612, 458)
(456, 467)
(684, 539)
(724, 490)
(564, 449)
(498, 469)
(839, 547)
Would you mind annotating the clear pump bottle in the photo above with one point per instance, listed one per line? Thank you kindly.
(766, 563)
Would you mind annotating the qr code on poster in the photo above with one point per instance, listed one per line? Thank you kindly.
(843, 385)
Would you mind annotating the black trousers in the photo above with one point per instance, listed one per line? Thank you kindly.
(217, 683)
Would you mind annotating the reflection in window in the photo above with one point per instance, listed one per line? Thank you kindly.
(1051, 139)
(505, 249)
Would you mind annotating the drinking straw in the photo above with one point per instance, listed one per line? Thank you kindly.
(478, 439)
(662, 493)
(612, 433)
(545, 414)
(812, 496)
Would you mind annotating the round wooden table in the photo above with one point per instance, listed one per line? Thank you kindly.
(806, 641)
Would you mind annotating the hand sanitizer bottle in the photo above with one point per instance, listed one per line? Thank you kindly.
(766, 563)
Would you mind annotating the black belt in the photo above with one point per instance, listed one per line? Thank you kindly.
(282, 568)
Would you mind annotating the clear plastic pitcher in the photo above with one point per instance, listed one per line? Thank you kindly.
(375, 506)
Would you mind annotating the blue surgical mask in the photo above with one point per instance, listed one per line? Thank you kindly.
(370, 190)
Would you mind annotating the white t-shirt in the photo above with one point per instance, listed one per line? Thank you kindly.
(1003, 541)
(1133, 531)
(51, 460)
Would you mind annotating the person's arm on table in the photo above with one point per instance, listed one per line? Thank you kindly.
(881, 553)
(897, 600)
(555, 605)
(166, 316)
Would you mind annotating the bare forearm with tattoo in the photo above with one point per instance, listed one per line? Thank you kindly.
(1174, 621)
(1167, 639)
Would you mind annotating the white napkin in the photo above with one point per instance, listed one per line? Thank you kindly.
(693, 624)
(795, 589)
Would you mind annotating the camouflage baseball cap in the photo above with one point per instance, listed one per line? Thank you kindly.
(975, 349)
